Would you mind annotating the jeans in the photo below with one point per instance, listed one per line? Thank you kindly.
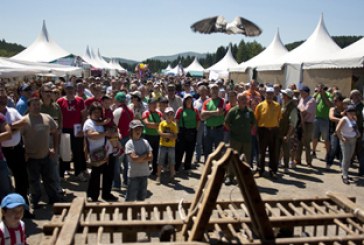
(137, 189)
(199, 141)
(334, 148)
(118, 160)
(42, 169)
(164, 152)
(15, 158)
(347, 148)
(212, 138)
(5, 185)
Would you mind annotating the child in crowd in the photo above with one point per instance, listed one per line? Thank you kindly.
(168, 134)
(139, 153)
(108, 122)
(12, 228)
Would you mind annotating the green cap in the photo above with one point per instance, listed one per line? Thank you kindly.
(120, 97)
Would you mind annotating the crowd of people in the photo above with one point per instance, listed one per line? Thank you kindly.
(129, 130)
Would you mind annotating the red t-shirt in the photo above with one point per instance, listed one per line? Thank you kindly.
(109, 114)
(71, 111)
(91, 100)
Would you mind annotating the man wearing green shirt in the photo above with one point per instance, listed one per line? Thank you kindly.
(239, 121)
(322, 121)
(213, 114)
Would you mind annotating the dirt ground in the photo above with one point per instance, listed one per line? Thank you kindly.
(301, 181)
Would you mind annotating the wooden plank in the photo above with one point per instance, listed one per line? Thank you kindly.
(86, 229)
(253, 200)
(200, 190)
(71, 223)
(345, 203)
(209, 198)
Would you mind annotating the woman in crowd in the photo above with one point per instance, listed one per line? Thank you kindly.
(335, 114)
(137, 105)
(188, 120)
(95, 138)
(347, 132)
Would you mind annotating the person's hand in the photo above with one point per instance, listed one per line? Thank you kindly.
(52, 151)
(80, 134)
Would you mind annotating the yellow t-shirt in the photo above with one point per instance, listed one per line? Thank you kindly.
(165, 127)
(268, 114)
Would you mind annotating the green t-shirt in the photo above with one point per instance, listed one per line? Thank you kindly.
(212, 105)
(322, 110)
(152, 117)
(187, 118)
(240, 122)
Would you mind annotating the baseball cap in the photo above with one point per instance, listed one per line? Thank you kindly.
(137, 94)
(168, 109)
(120, 97)
(350, 108)
(288, 92)
(305, 89)
(135, 123)
(68, 85)
(13, 200)
(269, 89)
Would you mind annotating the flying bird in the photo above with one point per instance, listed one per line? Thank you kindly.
(239, 25)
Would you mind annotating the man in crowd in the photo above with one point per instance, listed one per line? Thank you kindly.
(356, 99)
(287, 125)
(40, 128)
(25, 93)
(322, 121)
(307, 108)
(174, 101)
(239, 121)
(73, 109)
(197, 104)
(213, 114)
(267, 114)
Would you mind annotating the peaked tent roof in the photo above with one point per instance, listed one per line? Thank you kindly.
(225, 63)
(115, 64)
(350, 57)
(13, 68)
(90, 58)
(274, 51)
(43, 49)
(316, 47)
(194, 66)
(178, 70)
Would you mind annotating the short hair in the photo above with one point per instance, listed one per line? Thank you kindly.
(32, 99)
(94, 107)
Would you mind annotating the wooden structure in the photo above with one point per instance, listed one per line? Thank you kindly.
(333, 219)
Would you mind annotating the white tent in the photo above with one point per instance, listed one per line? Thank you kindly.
(14, 68)
(115, 64)
(194, 66)
(273, 52)
(178, 70)
(224, 64)
(169, 67)
(318, 46)
(90, 58)
(43, 49)
(350, 57)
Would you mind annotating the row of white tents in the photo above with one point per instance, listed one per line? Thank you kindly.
(318, 59)
(45, 57)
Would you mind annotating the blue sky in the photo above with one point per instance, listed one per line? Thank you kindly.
(145, 28)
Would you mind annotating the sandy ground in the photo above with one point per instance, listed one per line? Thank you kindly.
(301, 181)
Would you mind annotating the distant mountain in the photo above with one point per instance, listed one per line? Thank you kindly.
(175, 56)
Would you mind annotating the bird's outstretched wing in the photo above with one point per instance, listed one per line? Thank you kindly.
(205, 26)
(248, 28)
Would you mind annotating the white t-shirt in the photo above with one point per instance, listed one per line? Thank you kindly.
(348, 129)
(90, 125)
(11, 116)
